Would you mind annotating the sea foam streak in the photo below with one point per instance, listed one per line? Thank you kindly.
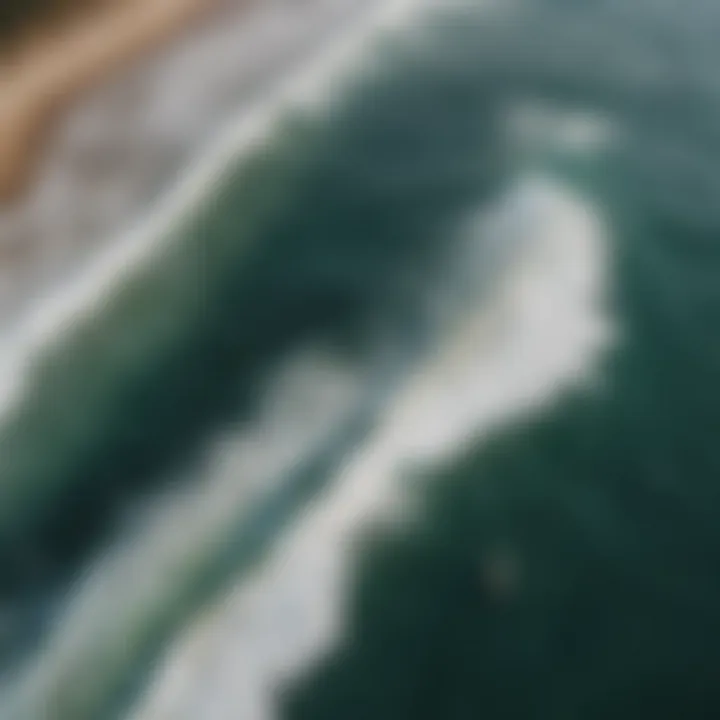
(171, 545)
(543, 331)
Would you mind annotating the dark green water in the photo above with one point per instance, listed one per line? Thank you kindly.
(605, 506)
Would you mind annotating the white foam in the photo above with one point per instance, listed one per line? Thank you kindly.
(533, 124)
(543, 332)
(172, 541)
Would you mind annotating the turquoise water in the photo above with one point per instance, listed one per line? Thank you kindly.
(598, 514)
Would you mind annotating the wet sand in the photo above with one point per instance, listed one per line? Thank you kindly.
(132, 132)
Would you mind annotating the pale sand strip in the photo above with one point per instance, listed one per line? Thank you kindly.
(38, 84)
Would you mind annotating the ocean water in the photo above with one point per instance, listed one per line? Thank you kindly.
(412, 414)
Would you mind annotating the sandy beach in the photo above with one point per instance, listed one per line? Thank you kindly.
(41, 78)
(144, 92)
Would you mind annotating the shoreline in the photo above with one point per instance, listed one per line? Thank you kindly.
(119, 154)
(58, 306)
